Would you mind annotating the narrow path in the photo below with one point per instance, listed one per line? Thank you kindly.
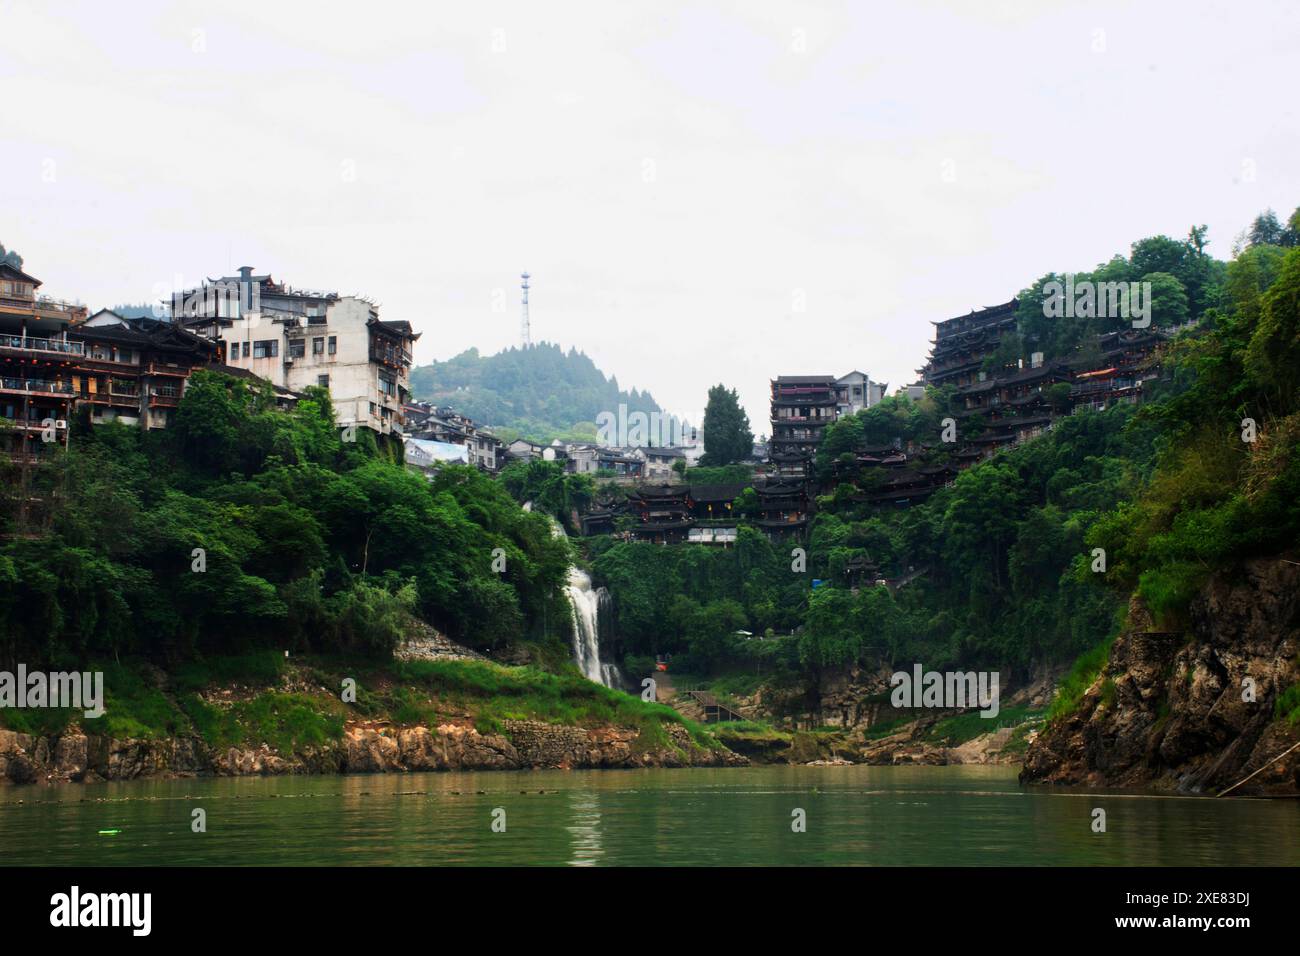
(664, 689)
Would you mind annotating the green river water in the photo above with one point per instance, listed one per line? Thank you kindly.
(870, 816)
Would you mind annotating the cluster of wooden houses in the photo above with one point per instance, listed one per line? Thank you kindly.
(673, 513)
(993, 407)
(55, 358)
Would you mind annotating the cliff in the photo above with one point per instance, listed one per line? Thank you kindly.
(1167, 709)
(433, 707)
(524, 745)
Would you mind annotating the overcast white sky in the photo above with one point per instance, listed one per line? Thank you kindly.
(703, 192)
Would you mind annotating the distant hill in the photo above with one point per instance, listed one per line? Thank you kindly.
(540, 392)
(143, 310)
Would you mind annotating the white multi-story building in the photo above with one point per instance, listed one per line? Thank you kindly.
(294, 338)
(856, 392)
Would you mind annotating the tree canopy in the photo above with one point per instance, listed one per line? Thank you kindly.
(727, 435)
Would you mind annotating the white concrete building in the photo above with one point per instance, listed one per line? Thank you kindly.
(659, 462)
(856, 392)
(295, 339)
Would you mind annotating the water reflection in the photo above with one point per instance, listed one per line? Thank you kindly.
(857, 816)
(584, 831)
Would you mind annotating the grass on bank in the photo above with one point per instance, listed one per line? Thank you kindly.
(961, 728)
(494, 694)
(1085, 670)
(1287, 706)
(142, 702)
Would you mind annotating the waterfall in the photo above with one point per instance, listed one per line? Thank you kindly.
(587, 607)
(586, 625)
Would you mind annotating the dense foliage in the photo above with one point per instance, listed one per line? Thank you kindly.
(999, 556)
(1030, 557)
(245, 526)
(548, 488)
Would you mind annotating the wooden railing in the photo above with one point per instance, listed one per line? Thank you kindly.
(34, 344)
(36, 385)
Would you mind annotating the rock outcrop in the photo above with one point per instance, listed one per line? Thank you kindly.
(1171, 710)
(524, 744)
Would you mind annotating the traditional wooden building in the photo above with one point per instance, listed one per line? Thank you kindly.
(714, 502)
(136, 370)
(963, 343)
(1125, 363)
(600, 515)
(904, 486)
(663, 513)
(802, 407)
(860, 570)
(38, 364)
(784, 507)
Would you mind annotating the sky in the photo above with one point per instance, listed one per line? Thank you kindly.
(702, 192)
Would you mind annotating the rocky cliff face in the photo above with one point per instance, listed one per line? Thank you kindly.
(524, 745)
(1168, 709)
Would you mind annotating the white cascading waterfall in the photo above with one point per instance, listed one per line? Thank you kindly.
(587, 605)
(586, 624)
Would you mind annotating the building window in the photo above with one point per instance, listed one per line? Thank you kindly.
(323, 381)
(267, 348)
(246, 349)
(318, 346)
(334, 344)
(297, 348)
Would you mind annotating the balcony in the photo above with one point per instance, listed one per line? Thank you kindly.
(177, 371)
(95, 362)
(121, 399)
(30, 424)
(35, 344)
(36, 386)
(1105, 385)
(42, 306)
(393, 358)
(165, 396)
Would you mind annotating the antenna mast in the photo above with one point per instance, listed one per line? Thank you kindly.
(527, 331)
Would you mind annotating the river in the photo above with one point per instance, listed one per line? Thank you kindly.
(879, 816)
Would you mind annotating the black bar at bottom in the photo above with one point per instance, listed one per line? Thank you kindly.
(369, 906)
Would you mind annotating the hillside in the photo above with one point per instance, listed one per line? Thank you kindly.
(1146, 543)
(540, 393)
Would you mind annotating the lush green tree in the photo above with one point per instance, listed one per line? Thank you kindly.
(727, 435)
(1266, 230)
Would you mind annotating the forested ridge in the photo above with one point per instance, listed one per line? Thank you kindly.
(540, 392)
